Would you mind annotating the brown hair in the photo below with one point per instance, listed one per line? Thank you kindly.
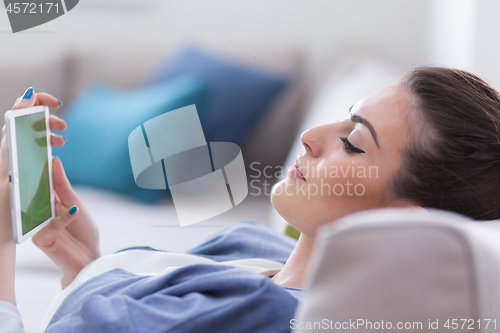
(453, 161)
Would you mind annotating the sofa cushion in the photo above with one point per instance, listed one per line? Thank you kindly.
(121, 66)
(268, 142)
(100, 121)
(239, 95)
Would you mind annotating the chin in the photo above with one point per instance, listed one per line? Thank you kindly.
(281, 201)
(308, 214)
(293, 208)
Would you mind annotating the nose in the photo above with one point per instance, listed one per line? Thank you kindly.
(312, 140)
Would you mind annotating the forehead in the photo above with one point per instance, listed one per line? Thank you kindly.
(387, 110)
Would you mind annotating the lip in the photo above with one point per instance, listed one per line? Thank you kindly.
(294, 171)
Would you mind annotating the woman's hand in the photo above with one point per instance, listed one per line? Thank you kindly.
(71, 239)
(56, 124)
(29, 99)
(7, 245)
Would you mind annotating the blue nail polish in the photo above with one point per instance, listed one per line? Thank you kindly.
(60, 102)
(28, 93)
(72, 210)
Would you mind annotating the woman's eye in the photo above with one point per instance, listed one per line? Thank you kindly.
(350, 148)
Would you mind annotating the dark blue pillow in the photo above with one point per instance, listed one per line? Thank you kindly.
(239, 95)
(100, 121)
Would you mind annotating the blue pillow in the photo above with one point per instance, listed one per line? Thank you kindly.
(100, 121)
(239, 95)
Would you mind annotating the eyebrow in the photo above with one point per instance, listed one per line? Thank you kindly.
(358, 119)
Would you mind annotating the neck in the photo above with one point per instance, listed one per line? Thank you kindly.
(292, 274)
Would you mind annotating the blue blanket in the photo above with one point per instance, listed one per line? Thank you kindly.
(196, 298)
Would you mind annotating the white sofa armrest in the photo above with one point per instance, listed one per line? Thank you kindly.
(404, 267)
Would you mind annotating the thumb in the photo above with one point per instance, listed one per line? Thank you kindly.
(46, 237)
(26, 101)
(62, 186)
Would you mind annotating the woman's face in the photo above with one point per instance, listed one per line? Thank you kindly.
(346, 165)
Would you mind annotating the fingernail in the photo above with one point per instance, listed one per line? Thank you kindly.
(65, 138)
(72, 210)
(28, 93)
(60, 103)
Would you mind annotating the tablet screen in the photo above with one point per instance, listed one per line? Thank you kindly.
(32, 157)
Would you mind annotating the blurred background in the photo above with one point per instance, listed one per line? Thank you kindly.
(260, 72)
(453, 32)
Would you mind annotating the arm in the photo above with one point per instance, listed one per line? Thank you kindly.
(7, 245)
(71, 247)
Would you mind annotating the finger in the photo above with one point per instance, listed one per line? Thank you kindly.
(56, 123)
(48, 100)
(55, 140)
(62, 185)
(27, 100)
(60, 208)
(39, 125)
(41, 141)
(46, 237)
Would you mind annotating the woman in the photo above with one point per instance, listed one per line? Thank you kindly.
(431, 141)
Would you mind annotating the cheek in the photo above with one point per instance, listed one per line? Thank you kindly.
(342, 176)
(345, 180)
(328, 194)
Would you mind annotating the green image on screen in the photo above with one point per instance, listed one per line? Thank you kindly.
(32, 160)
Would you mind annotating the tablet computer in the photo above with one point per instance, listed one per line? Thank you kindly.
(30, 170)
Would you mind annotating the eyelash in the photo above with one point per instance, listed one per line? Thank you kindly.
(350, 148)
